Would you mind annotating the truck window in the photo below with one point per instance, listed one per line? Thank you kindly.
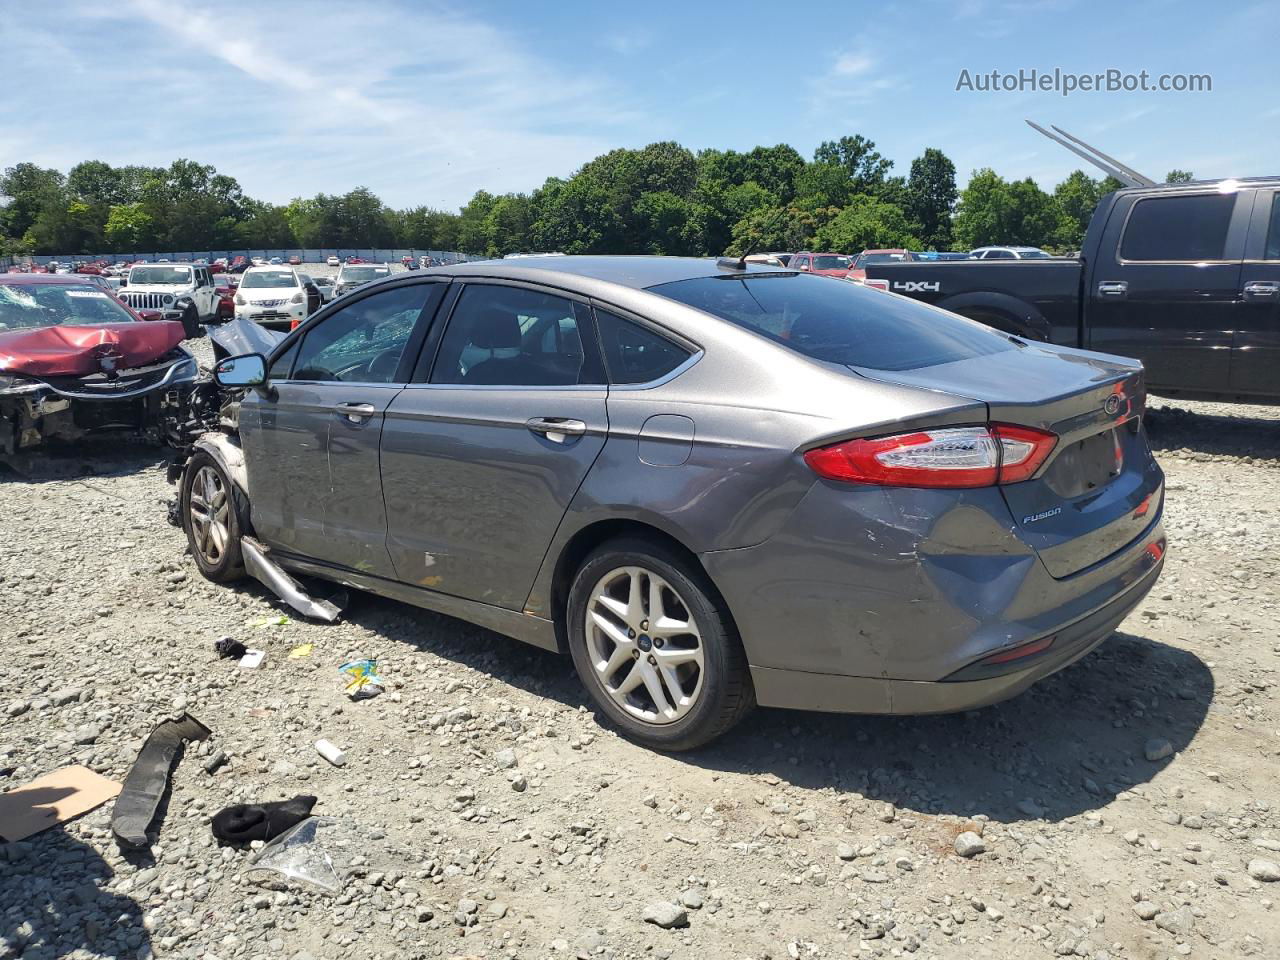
(1184, 228)
(1272, 251)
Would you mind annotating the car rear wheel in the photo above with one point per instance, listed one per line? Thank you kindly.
(655, 646)
(211, 518)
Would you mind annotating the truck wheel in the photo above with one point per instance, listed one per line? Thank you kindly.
(655, 646)
(211, 518)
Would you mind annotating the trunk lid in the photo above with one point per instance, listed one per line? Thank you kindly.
(1100, 488)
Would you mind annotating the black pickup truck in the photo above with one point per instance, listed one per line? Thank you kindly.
(1184, 277)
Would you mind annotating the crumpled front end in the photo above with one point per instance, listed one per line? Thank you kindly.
(133, 391)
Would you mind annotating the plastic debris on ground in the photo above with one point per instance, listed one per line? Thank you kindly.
(300, 651)
(279, 621)
(321, 851)
(229, 648)
(364, 682)
(148, 779)
(252, 659)
(331, 752)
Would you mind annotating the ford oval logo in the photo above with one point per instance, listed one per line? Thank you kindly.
(1111, 405)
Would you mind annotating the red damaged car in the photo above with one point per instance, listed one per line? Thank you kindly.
(74, 361)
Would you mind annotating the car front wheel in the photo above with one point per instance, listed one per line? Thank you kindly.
(655, 646)
(211, 519)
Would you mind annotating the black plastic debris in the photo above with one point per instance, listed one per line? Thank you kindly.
(144, 786)
(229, 647)
(245, 822)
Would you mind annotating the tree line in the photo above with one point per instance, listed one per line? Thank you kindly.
(659, 199)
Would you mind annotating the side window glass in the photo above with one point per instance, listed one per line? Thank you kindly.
(1272, 251)
(511, 336)
(1183, 228)
(635, 354)
(364, 342)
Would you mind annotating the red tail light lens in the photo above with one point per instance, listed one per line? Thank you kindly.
(294, 323)
(957, 457)
(876, 284)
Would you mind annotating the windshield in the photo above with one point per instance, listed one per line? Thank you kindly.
(268, 278)
(838, 322)
(27, 306)
(831, 263)
(145, 275)
(362, 274)
(866, 258)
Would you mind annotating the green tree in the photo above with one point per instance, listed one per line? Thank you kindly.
(867, 222)
(857, 156)
(129, 228)
(992, 211)
(30, 190)
(931, 196)
(1178, 176)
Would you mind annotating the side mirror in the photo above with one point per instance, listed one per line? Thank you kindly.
(247, 370)
(124, 282)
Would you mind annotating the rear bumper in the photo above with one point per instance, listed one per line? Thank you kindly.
(877, 595)
(830, 693)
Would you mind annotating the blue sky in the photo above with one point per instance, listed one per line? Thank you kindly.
(426, 103)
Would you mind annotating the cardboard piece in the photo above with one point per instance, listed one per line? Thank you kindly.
(52, 799)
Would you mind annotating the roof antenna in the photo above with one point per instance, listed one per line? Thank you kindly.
(738, 263)
(1108, 165)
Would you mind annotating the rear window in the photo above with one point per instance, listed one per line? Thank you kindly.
(1178, 228)
(838, 321)
(831, 263)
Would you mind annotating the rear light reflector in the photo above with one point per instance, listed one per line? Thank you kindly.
(294, 323)
(876, 284)
(958, 457)
(1025, 650)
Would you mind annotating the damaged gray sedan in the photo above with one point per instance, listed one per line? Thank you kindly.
(712, 484)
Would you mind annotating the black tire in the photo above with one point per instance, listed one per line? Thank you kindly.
(226, 563)
(725, 695)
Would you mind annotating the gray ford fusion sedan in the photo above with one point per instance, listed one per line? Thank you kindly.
(713, 484)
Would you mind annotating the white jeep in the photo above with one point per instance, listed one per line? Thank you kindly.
(171, 288)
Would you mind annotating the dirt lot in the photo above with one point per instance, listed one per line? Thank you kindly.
(503, 821)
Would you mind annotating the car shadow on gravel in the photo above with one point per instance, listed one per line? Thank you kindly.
(1070, 744)
(1178, 428)
(51, 888)
(82, 461)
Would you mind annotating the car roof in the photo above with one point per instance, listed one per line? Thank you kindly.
(636, 272)
(886, 250)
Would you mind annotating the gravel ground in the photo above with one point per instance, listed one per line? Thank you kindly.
(502, 820)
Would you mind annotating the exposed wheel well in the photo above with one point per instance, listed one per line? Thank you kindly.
(586, 540)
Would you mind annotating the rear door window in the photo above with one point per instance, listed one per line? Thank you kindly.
(843, 323)
(1272, 250)
(1181, 228)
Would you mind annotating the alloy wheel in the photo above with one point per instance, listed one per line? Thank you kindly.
(210, 510)
(644, 644)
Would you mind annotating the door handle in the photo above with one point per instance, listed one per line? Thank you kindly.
(355, 412)
(556, 429)
(1113, 289)
(1262, 290)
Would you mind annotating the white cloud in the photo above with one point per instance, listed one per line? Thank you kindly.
(851, 64)
(422, 104)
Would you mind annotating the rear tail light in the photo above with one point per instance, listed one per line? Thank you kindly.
(876, 284)
(949, 457)
(295, 323)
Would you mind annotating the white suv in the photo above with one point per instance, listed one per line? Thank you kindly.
(169, 288)
(271, 296)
